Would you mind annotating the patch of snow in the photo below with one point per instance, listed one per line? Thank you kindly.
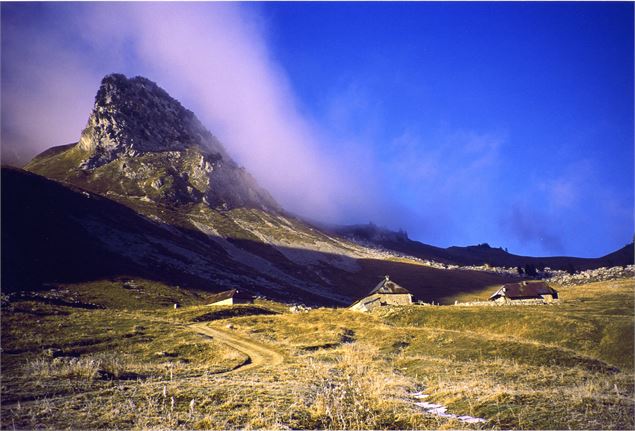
(442, 411)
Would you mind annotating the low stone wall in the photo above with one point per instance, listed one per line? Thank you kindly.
(503, 304)
(592, 275)
(476, 304)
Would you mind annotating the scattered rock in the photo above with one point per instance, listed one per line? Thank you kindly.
(138, 328)
(104, 375)
(590, 276)
(348, 336)
(300, 308)
(65, 360)
(166, 354)
(53, 352)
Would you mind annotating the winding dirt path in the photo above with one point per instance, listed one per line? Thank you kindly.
(259, 354)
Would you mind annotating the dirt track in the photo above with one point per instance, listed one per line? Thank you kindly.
(259, 355)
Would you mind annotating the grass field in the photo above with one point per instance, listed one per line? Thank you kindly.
(131, 365)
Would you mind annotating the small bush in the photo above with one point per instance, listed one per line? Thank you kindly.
(83, 368)
(115, 365)
(63, 367)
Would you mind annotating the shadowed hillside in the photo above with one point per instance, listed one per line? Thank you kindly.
(62, 234)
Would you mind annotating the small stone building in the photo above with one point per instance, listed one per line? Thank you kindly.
(230, 297)
(535, 292)
(387, 292)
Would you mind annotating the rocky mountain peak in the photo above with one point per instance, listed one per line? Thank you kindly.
(141, 143)
(135, 115)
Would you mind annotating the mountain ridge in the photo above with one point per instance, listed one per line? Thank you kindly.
(481, 254)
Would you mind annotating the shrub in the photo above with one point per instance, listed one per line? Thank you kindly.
(63, 367)
(84, 368)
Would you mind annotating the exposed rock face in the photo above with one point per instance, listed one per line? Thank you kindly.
(133, 116)
(141, 142)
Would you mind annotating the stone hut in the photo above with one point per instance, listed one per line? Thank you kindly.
(230, 297)
(387, 292)
(534, 292)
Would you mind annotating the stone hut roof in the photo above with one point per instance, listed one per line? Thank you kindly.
(388, 286)
(524, 290)
(232, 293)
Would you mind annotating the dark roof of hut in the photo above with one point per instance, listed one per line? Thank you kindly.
(388, 286)
(232, 293)
(524, 290)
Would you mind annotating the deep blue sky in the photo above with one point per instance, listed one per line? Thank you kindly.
(506, 123)
(553, 81)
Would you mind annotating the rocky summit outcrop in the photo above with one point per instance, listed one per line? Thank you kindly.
(140, 142)
(135, 116)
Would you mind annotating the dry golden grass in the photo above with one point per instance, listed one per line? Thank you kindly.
(549, 367)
